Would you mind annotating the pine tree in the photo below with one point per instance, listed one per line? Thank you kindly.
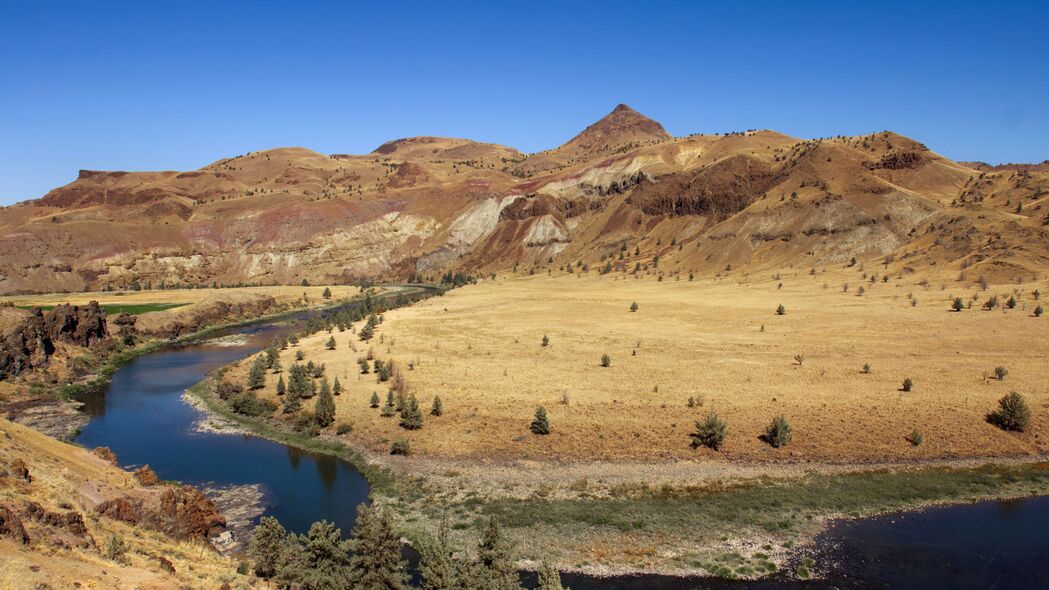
(541, 424)
(275, 365)
(280, 385)
(388, 409)
(257, 373)
(375, 399)
(336, 387)
(331, 343)
(494, 554)
(549, 578)
(324, 408)
(436, 565)
(376, 563)
(411, 417)
(266, 545)
(437, 408)
(326, 558)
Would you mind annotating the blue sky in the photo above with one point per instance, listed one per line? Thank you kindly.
(166, 85)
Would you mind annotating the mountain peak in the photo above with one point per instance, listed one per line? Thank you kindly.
(622, 126)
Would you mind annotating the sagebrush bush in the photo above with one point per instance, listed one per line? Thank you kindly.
(1012, 414)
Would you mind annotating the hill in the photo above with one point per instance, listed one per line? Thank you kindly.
(426, 205)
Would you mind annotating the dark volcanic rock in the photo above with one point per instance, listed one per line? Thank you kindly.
(31, 345)
(75, 324)
(146, 476)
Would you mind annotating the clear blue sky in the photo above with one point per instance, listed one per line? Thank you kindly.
(175, 85)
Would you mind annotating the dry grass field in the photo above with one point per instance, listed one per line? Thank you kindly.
(719, 341)
(282, 293)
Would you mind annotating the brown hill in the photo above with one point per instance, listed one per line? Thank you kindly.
(427, 205)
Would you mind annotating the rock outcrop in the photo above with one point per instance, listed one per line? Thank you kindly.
(30, 344)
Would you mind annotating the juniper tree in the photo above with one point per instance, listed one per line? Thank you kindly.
(336, 387)
(376, 563)
(545, 341)
(606, 361)
(257, 373)
(437, 567)
(389, 409)
(633, 306)
(778, 433)
(363, 364)
(710, 432)
(266, 546)
(1013, 413)
(549, 578)
(958, 304)
(324, 408)
(331, 343)
(411, 417)
(275, 366)
(1000, 373)
(494, 554)
(437, 408)
(1038, 311)
(326, 293)
(540, 424)
(325, 557)
(375, 399)
(907, 384)
(781, 310)
(280, 385)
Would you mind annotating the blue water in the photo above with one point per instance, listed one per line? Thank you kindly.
(142, 418)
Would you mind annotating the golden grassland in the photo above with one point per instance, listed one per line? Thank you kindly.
(281, 293)
(65, 477)
(718, 341)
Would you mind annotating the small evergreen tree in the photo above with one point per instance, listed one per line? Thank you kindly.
(494, 554)
(546, 341)
(1013, 413)
(280, 385)
(257, 373)
(633, 306)
(781, 310)
(1000, 373)
(375, 399)
(336, 387)
(331, 343)
(400, 447)
(549, 578)
(1038, 311)
(436, 565)
(710, 432)
(324, 407)
(326, 293)
(907, 384)
(437, 408)
(411, 417)
(325, 557)
(606, 361)
(540, 424)
(778, 433)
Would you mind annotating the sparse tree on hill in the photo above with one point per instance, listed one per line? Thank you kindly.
(540, 424)
(1000, 373)
(280, 385)
(545, 341)
(437, 408)
(907, 384)
(257, 373)
(1013, 413)
(411, 417)
(549, 578)
(606, 361)
(375, 399)
(336, 387)
(363, 364)
(1038, 311)
(327, 293)
(633, 306)
(710, 432)
(324, 407)
(958, 304)
(331, 343)
(778, 433)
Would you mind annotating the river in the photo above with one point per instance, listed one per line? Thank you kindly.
(141, 416)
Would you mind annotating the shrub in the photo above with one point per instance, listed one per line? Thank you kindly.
(915, 438)
(1000, 373)
(991, 303)
(327, 293)
(1038, 311)
(227, 389)
(958, 304)
(633, 306)
(778, 433)
(866, 369)
(1013, 413)
(115, 548)
(1011, 302)
(248, 404)
(781, 310)
(907, 384)
(541, 424)
(546, 341)
(800, 359)
(331, 343)
(344, 428)
(400, 447)
(709, 433)
(606, 361)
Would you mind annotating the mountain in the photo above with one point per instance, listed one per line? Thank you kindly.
(748, 200)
